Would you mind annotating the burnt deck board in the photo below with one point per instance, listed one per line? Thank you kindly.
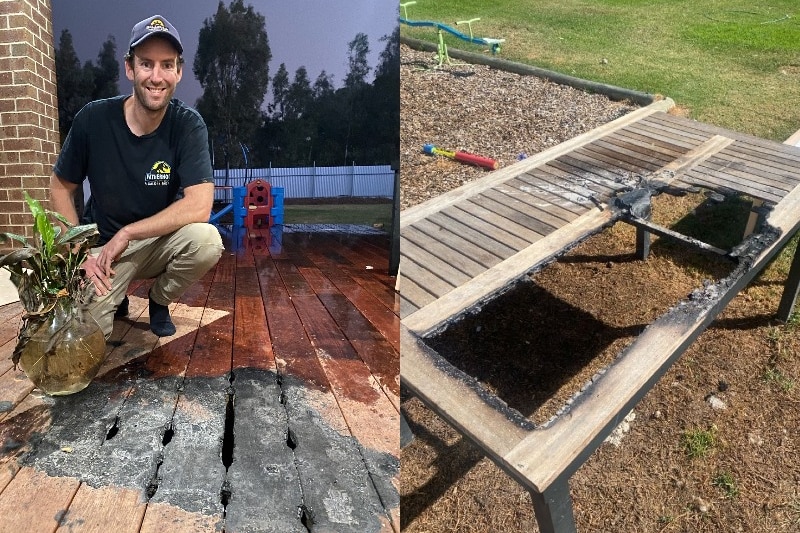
(155, 443)
(652, 149)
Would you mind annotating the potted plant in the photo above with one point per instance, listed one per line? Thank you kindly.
(60, 347)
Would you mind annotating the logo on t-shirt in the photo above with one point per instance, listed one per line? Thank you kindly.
(159, 174)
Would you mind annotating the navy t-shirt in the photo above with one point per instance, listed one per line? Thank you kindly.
(133, 177)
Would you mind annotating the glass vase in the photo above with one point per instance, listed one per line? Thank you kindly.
(65, 351)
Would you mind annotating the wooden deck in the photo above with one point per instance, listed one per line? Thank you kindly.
(273, 409)
(461, 249)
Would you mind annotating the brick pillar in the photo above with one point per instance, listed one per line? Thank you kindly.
(28, 110)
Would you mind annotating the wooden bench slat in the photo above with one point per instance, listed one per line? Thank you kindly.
(499, 234)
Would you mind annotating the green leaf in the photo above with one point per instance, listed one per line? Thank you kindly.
(61, 218)
(42, 224)
(18, 256)
(76, 234)
(5, 237)
(58, 260)
(34, 205)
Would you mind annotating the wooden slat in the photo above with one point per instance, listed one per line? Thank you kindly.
(525, 202)
(637, 148)
(613, 179)
(263, 479)
(410, 216)
(213, 347)
(498, 233)
(104, 509)
(34, 501)
(421, 285)
(711, 179)
(433, 315)
(632, 152)
(624, 162)
(458, 398)
(166, 518)
(767, 147)
(251, 343)
(378, 353)
(512, 212)
(499, 221)
(556, 182)
(457, 243)
(694, 157)
(191, 475)
(654, 143)
(602, 186)
(618, 169)
(786, 168)
(452, 257)
(10, 317)
(494, 247)
(360, 399)
(382, 319)
(539, 198)
(794, 139)
(747, 173)
(294, 355)
(430, 262)
(552, 195)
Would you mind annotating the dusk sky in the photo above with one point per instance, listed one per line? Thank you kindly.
(310, 33)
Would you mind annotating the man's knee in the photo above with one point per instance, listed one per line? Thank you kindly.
(206, 245)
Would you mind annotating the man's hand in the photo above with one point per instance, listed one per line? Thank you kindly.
(98, 269)
(97, 276)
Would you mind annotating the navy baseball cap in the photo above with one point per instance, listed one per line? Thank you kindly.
(155, 25)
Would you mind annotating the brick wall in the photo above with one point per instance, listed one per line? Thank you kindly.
(28, 109)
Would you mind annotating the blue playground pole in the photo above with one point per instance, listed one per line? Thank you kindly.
(276, 213)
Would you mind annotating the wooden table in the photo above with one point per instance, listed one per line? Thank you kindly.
(461, 249)
(274, 407)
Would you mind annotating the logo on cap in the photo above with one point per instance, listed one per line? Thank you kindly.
(157, 25)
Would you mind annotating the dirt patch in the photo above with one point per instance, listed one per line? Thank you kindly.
(535, 345)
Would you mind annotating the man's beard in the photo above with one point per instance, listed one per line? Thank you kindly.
(144, 98)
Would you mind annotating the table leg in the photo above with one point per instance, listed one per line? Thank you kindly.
(790, 290)
(553, 508)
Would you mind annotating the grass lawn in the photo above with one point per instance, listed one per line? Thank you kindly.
(362, 214)
(733, 63)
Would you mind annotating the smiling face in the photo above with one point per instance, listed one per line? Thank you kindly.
(155, 70)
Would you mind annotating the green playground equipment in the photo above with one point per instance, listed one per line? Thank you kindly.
(493, 44)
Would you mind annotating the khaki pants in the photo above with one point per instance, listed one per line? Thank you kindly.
(175, 260)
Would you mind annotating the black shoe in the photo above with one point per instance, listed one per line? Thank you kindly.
(160, 322)
(122, 309)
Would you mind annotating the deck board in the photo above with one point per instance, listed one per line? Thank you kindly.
(155, 444)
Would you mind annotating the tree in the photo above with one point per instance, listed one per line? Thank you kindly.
(300, 95)
(73, 85)
(322, 124)
(323, 86)
(384, 103)
(232, 66)
(357, 51)
(106, 72)
(280, 88)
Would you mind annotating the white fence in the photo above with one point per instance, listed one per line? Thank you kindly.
(314, 182)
